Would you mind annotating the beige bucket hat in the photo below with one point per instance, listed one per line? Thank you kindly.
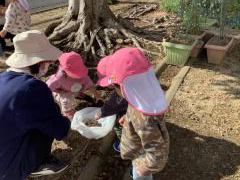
(32, 47)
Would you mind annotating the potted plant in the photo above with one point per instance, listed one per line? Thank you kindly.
(218, 45)
(231, 17)
(179, 45)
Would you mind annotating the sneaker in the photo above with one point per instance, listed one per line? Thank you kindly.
(116, 146)
(50, 167)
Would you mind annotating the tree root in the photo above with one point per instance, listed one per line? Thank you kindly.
(97, 36)
(140, 10)
(71, 27)
(49, 30)
(102, 47)
(151, 35)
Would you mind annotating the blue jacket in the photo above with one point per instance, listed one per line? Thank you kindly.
(26, 104)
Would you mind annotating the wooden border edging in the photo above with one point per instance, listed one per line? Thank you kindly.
(176, 82)
(92, 168)
(160, 67)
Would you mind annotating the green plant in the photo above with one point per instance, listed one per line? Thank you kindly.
(170, 5)
(109, 1)
(191, 16)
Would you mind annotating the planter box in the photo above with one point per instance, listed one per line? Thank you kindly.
(207, 37)
(232, 33)
(197, 48)
(201, 36)
(216, 53)
(177, 54)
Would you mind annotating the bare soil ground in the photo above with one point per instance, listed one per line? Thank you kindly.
(203, 120)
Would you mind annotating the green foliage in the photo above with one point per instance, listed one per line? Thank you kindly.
(170, 5)
(109, 1)
(191, 16)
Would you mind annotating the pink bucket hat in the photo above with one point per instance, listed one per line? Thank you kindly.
(124, 62)
(130, 68)
(73, 65)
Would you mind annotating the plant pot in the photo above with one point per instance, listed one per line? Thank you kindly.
(177, 54)
(197, 49)
(207, 37)
(232, 33)
(201, 36)
(216, 53)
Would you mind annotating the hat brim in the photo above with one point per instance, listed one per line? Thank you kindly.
(144, 93)
(76, 76)
(104, 82)
(21, 60)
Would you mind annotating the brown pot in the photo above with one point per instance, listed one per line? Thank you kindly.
(199, 36)
(207, 37)
(232, 33)
(197, 49)
(216, 53)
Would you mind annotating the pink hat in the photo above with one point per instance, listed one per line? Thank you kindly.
(124, 62)
(73, 65)
(130, 68)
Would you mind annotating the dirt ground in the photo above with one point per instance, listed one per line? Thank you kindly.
(203, 120)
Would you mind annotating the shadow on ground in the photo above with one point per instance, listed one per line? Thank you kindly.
(230, 67)
(196, 157)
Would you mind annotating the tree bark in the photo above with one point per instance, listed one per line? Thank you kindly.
(90, 28)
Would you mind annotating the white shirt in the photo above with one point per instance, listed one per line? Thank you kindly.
(17, 19)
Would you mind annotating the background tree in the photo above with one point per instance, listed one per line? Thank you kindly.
(89, 27)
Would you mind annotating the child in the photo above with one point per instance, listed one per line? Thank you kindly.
(116, 104)
(70, 81)
(17, 20)
(145, 138)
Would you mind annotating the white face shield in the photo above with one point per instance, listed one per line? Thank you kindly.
(144, 93)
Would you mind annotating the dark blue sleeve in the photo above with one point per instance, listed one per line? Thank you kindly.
(41, 112)
(114, 105)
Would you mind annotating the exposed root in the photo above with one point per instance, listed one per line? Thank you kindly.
(101, 45)
(97, 32)
(140, 10)
(135, 41)
(65, 41)
(71, 27)
(107, 39)
(93, 36)
(49, 30)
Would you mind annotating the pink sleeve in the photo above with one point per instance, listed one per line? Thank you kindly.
(53, 83)
(87, 83)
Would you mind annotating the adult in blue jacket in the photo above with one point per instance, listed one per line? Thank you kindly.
(29, 116)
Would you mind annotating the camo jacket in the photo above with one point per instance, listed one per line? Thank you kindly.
(145, 140)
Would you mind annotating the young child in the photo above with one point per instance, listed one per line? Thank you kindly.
(17, 20)
(70, 81)
(116, 104)
(145, 138)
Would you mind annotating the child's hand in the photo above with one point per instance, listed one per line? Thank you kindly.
(3, 33)
(122, 120)
(98, 115)
(69, 114)
(142, 171)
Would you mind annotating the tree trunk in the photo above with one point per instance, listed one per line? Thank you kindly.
(90, 28)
